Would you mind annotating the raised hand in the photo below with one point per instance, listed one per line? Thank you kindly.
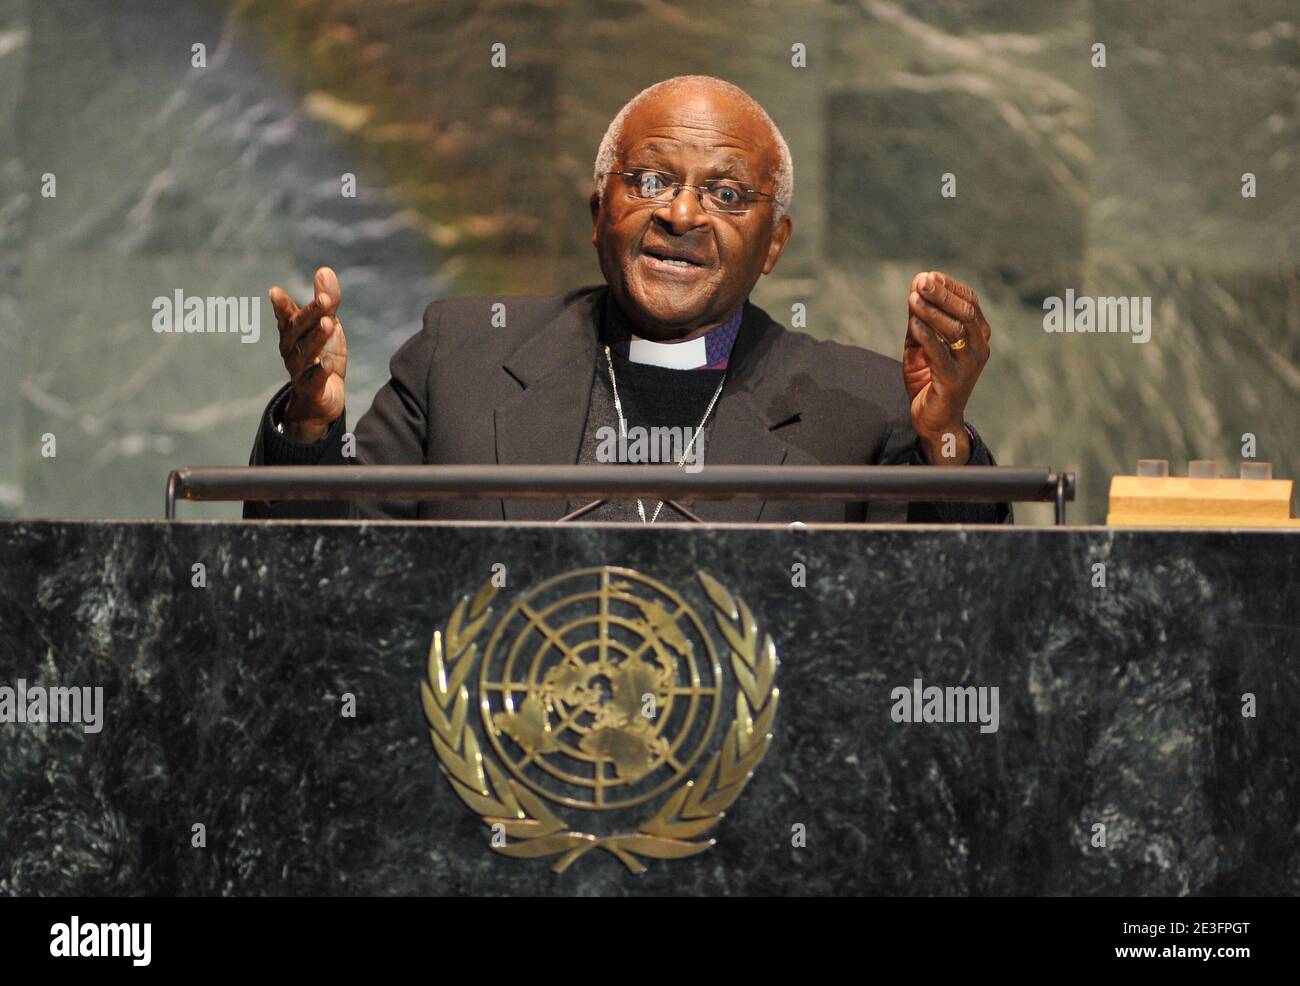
(315, 352)
(946, 347)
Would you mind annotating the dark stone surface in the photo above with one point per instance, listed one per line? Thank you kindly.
(1119, 706)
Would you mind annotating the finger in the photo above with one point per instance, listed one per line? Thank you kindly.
(309, 314)
(971, 356)
(950, 328)
(335, 355)
(283, 306)
(326, 283)
(978, 333)
(959, 288)
(311, 345)
(916, 366)
(941, 362)
(304, 321)
(290, 320)
(914, 358)
(939, 292)
(964, 293)
(980, 338)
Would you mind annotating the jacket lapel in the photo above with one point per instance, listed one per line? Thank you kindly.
(740, 434)
(543, 422)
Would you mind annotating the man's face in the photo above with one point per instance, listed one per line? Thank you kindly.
(696, 136)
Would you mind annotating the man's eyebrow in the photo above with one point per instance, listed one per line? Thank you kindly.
(736, 165)
(732, 164)
(656, 148)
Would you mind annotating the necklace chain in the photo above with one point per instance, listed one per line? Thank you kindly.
(622, 429)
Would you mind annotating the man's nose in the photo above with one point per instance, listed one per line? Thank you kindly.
(685, 211)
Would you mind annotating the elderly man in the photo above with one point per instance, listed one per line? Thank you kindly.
(692, 186)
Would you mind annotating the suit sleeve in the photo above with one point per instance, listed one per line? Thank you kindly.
(395, 432)
(903, 448)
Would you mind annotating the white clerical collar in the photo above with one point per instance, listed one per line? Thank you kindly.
(673, 355)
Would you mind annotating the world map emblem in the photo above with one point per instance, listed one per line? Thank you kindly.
(607, 713)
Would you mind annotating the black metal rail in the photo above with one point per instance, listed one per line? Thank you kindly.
(986, 484)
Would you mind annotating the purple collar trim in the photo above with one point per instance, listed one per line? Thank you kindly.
(717, 341)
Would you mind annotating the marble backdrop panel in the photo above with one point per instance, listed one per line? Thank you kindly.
(471, 178)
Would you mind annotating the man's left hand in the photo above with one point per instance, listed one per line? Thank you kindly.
(946, 348)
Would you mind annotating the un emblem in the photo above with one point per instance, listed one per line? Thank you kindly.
(600, 692)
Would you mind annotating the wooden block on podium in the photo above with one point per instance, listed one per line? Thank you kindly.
(1180, 501)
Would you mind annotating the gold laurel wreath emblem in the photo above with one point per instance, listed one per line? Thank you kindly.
(673, 831)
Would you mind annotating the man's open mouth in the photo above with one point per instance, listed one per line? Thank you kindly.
(669, 260)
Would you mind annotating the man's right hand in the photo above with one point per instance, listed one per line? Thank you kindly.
(315, 352)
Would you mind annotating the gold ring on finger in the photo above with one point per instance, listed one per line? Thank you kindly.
(959, 345)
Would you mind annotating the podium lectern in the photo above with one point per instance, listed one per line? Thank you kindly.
(1117, 711)
(1126, 705)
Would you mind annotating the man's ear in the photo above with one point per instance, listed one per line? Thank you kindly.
(595, 212)
(780, 236)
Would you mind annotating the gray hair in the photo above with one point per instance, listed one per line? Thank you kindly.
(784, 177)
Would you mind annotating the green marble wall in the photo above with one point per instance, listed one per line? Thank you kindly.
(225, 179)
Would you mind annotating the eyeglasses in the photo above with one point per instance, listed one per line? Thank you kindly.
(720, 194)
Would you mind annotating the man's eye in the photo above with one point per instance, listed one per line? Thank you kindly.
(651, 183)
(728, 193)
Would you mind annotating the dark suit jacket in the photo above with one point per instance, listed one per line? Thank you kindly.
(463, 391)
